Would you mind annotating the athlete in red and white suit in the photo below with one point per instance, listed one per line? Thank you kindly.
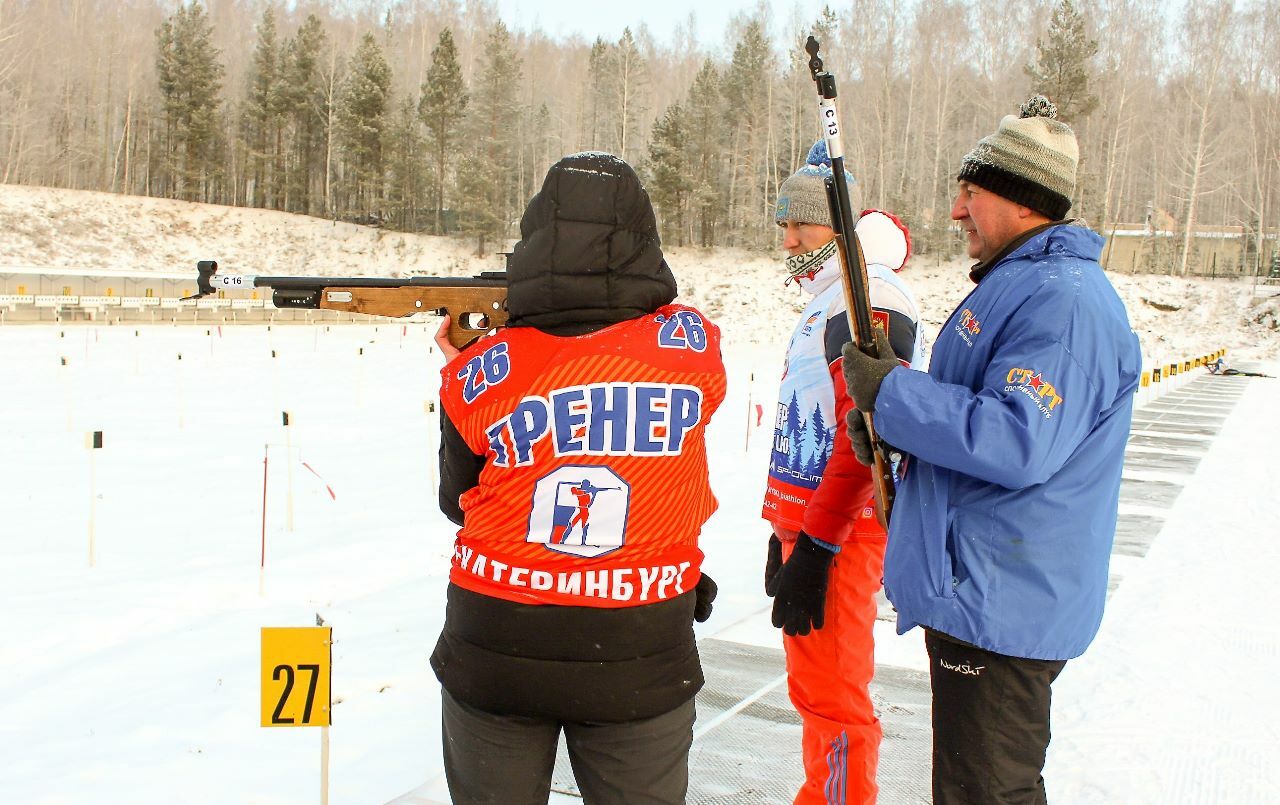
(819, 502)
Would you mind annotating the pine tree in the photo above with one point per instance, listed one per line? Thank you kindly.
(476, 216)
(442, 110)
(362, 123)
(537, 150)
(793, 430)
(263, 115)
(599, 102)
(305, 103)
(407, 158)
(1064, 63)
(489, 196)
(667, 172)
(819, 423)
(818, 426)
(705, 157)
(746, 91)
(190, 78)
(824, 29)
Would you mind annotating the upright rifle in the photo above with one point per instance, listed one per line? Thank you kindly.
(853, 265)
(475, 305)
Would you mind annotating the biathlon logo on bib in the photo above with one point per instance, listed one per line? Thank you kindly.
(580, 510)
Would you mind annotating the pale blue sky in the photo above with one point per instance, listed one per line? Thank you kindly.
(607, 18)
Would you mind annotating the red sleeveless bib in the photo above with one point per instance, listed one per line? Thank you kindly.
(594, 488)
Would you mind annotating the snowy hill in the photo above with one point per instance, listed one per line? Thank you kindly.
(743, 291)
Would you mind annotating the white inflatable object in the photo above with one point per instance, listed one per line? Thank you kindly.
(884, 239)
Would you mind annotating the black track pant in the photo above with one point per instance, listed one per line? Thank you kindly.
(990, 724)
(508, 760)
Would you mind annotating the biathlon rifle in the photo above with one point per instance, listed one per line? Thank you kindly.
(853, 267)
(475, 305)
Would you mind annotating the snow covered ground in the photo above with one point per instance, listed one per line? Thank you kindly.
(136, 679)
(1174, 701)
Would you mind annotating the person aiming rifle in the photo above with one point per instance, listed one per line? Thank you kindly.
(826, 543)
(598, 381)
(584, 494)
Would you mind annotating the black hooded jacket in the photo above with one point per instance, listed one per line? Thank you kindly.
(589, 257)
(589, 254)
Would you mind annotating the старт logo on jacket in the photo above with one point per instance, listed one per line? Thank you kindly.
(968, 327)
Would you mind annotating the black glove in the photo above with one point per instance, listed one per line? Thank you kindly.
(772, 564)
(801, 594)
(703, 595)
(860, 438)
(863, 375)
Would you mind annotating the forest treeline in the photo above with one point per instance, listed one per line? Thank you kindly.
(434, 116)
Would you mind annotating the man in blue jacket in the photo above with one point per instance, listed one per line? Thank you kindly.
(1002, 528)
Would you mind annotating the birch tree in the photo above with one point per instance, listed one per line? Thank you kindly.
(746, 91)
(1207, 36)
(1260, 119)
(629, 84)
(942, 31)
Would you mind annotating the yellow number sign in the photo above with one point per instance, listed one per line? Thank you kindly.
(296, 667)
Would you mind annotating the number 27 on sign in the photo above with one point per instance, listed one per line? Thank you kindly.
(296, 671)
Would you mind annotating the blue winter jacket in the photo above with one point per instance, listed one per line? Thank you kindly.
(1002, 529)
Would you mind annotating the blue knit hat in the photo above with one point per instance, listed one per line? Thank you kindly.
(803, 196)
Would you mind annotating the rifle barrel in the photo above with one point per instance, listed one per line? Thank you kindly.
(317, 283)
(474, 304)
(853, 265)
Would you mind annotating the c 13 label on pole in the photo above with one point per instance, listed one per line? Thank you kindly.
(296, 676)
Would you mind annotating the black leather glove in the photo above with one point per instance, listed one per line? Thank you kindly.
(772, 564)
(860, 438)
(863, 375)
(801, 594)
(703, 595)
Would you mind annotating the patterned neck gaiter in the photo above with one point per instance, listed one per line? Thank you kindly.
(807, 264)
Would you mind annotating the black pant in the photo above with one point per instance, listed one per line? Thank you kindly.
(508, 760)
(990, 724)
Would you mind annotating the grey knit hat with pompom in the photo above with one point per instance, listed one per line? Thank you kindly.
(803, 196)
(1030, 160)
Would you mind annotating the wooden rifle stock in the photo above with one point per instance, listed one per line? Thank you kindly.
(475, 305)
